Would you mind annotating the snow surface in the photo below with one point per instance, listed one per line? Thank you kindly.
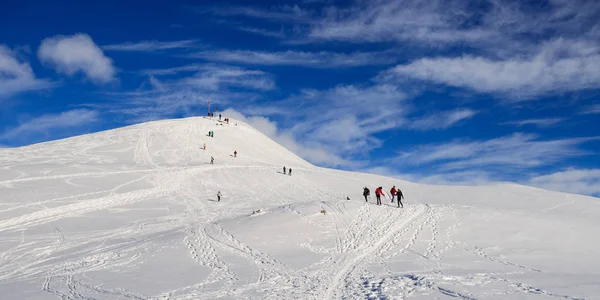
(131, 213)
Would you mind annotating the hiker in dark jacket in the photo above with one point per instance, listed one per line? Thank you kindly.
(400, 197)
(366, 193)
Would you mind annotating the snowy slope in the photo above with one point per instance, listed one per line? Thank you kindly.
(131, 213)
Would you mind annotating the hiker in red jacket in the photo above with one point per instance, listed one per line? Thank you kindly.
(378, 193)
(234, 153)
(393, 193)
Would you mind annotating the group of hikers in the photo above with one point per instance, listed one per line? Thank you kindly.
(289, 170)
(396, 193)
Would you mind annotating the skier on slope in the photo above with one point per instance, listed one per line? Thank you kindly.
(378, 193)
(366, 193)
(219, 196)
(393, 193)
(400, 197)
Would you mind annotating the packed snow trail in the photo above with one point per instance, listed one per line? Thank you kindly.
(131, 213)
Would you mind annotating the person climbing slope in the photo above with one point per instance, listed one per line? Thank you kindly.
(212, 160)
(393, 193)
(400, 197)
(290, 171)
(366, 193)
(284, 170)
(204, 146)
(234, 153)
(219, 196)
(378, 193)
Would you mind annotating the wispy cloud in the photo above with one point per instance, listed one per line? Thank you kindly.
(344, 122)
(167, 96)
(17, 76)
(214, 78)
(282, 13)
(546, 122)
(77, 54)
(264, 32)
(439, 23)
(580, 181)
(48, 123)
(592, 109)
(441, 120)
(151, 46)
(305, 59)
(561, 66)
(514, 152)
(400, 20)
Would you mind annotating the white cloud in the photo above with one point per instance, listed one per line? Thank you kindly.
(340, 125)
(312, 152)
(17, 76)
(559, 67)
(547, 122)
(295, 58)
(151, 46)
(580, 181)
(517, 151)
(47, 123)
(77, 53)
(441, 120)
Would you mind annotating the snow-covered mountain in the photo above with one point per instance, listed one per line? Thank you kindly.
(131, 213)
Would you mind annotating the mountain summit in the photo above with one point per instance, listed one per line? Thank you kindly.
(143, 212)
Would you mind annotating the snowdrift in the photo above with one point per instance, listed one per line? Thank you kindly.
(132, 213)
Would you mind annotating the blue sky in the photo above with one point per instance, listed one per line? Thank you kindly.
(443, 92)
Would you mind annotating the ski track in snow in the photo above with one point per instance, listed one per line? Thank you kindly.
(359, 250)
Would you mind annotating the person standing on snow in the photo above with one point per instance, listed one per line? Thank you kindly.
(284, 170)
(378, 193)
(393, 193)
(212, 160)
(366, 193)
(204, 146)
(400, 197)
(219, 196)
(234, 153)
(290, 171)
